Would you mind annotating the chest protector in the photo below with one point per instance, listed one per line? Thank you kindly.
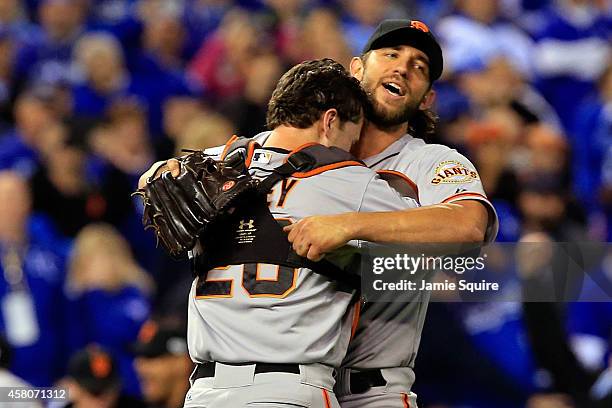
(251, 235)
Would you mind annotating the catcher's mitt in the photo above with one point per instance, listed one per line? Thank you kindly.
(179, 208)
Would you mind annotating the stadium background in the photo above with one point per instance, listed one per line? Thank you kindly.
(92, 92)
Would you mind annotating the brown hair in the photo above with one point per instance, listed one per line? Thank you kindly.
(308, 89)
(423, 123)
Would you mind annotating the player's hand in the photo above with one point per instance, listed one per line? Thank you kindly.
(172, 165)
(313, 237)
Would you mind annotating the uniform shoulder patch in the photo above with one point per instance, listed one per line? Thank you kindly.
(453, 172)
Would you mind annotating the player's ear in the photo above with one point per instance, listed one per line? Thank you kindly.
(428, 100)
(356, 68)
(327, 122)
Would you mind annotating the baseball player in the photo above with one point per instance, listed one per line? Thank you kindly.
(265, 328)
(399, 64)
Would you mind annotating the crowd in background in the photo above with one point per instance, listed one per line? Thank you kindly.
(92, 92)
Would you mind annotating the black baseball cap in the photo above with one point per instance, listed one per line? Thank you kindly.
(390, 33)
(157, 340)
(94, 369)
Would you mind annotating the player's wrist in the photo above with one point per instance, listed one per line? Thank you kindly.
(353, 226)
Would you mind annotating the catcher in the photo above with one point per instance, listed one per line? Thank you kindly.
(268, 327)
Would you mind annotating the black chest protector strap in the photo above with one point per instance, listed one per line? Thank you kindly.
(251, 235)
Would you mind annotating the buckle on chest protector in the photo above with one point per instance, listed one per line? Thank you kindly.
(301, 161)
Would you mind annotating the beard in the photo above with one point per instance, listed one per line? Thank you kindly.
(385, 118)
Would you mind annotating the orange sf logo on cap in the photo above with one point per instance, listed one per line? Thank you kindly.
(100, 365)
(147, 331)
(419, 26)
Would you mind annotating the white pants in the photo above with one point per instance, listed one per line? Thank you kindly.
(240, 387)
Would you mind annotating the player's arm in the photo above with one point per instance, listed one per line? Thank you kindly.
(464, 221)
(453, 213)
(315, 236)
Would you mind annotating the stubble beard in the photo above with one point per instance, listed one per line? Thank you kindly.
(384, 118)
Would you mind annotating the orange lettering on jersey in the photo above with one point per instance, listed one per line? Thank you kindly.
(286, 186)
(419, 25)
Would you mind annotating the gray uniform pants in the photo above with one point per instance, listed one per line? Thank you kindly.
(396, 394)
(240, 387)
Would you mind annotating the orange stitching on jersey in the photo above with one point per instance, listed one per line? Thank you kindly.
(231, 281)
(405, 400)
(326, 398)
(322, 169)
(454, 197)
(356, 317)
(270, 295)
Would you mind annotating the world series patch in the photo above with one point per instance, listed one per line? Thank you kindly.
(453, 172)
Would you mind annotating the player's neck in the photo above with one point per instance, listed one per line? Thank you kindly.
(374, 140)
(290, 138)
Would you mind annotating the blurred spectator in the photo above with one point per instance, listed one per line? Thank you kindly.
(592, 149)
(107, 80)
(590, 331)
(178, 111)
(201, 18)
(117, 17)
(248, 111)
(124, 143)
(545, 206)
(14, 22)
(287, 20)
(163, 36)
(321, 37)
(497, 84)
(69, 197)
(94, 381)
(222, 63)
(548, 153)
(476, 34)
(490, 140)
(47, 56)
(489, 363)
(205, 130)
(30, 289)
(163, 364)
(21, 148)
(105, 77)
(547, 275)
(109, 296)
(360, 20)
(573, 45)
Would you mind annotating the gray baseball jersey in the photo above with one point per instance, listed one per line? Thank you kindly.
(388, 334)
(309, 320)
